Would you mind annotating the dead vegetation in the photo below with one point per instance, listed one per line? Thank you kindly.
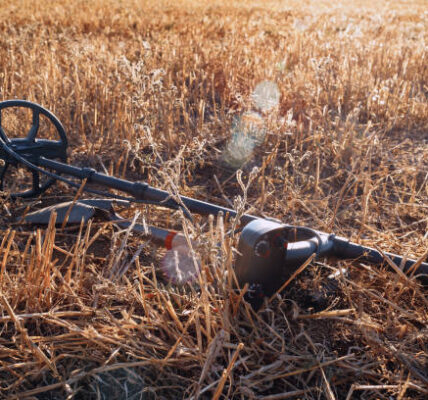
(149, 90)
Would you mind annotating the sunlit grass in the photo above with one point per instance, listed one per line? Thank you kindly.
(165, 92)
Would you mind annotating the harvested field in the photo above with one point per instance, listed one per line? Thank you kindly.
(155, 91)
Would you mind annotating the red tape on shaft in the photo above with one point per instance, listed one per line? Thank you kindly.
(168, 240)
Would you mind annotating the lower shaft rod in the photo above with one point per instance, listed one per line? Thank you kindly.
(140, 190)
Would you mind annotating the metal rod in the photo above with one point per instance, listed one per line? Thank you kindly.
(344, 248)
(141, 190)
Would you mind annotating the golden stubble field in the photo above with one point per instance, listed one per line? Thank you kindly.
(151, 90)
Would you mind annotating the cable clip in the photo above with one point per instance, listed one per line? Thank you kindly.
(88, 173)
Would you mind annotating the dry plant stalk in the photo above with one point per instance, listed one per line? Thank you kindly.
(149, 90)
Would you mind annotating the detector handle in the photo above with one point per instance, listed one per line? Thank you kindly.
(270, 252)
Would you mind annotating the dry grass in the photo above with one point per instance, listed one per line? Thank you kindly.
(150, 91)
